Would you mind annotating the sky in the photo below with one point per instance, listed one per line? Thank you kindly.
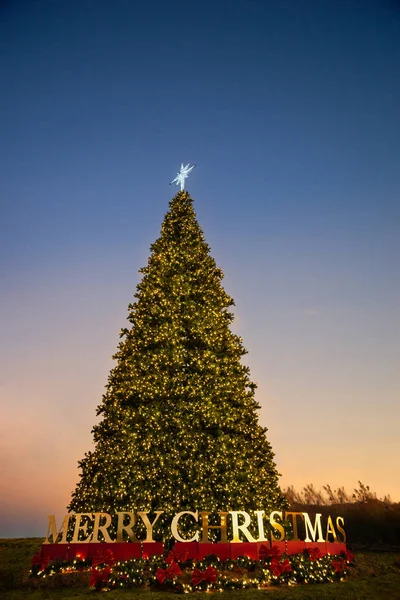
(291, 112)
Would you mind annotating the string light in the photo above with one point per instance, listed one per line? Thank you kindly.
(242, 573)
(179, 426)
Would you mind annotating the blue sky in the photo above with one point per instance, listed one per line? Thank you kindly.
(291, 112)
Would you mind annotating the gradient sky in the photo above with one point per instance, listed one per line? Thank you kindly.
(291, 111)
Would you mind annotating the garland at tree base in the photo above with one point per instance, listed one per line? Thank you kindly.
(176, 572)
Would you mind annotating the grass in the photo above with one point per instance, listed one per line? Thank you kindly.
(376, 576)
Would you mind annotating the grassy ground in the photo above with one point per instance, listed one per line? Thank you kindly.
(376, 576)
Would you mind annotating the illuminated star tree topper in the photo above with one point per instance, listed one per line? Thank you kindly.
(182, 175)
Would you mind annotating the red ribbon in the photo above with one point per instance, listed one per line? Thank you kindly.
(339, 565)
(314, 553)
(286, 567)
(103, 557)
(209, 575)
(267, 552)
(278, 568)
(98, 577)
(170, 573)
(40, 560)
(347, 555)
(177, 556)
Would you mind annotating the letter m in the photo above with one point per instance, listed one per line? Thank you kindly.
(52, 530)
(310, 530)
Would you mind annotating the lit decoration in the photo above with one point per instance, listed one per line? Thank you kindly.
(178, 440)
(178, 427)
(103, 557)
(277, 568)
(169, 573)
(182, 175)
(266, 552)
(314, 553)
(209, 574)
(177, 556)
(99, 577)
(40, 561)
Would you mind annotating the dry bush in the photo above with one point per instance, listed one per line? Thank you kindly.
(326, 497)
(370, 522)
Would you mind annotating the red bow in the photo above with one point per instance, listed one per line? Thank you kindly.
(339, 565)
(209, 575)
(99, 577)
(170, 573)
(278, 568)
(103, 557)
(314, 553)
(347, 555)
(286, 566)
(40, 560)
(176, 556)
(267, 552)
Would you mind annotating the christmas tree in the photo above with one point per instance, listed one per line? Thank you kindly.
(179, 427)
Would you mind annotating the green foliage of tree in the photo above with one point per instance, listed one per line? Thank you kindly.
(179, 428)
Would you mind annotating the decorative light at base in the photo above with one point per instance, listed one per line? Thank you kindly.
(209, 574)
